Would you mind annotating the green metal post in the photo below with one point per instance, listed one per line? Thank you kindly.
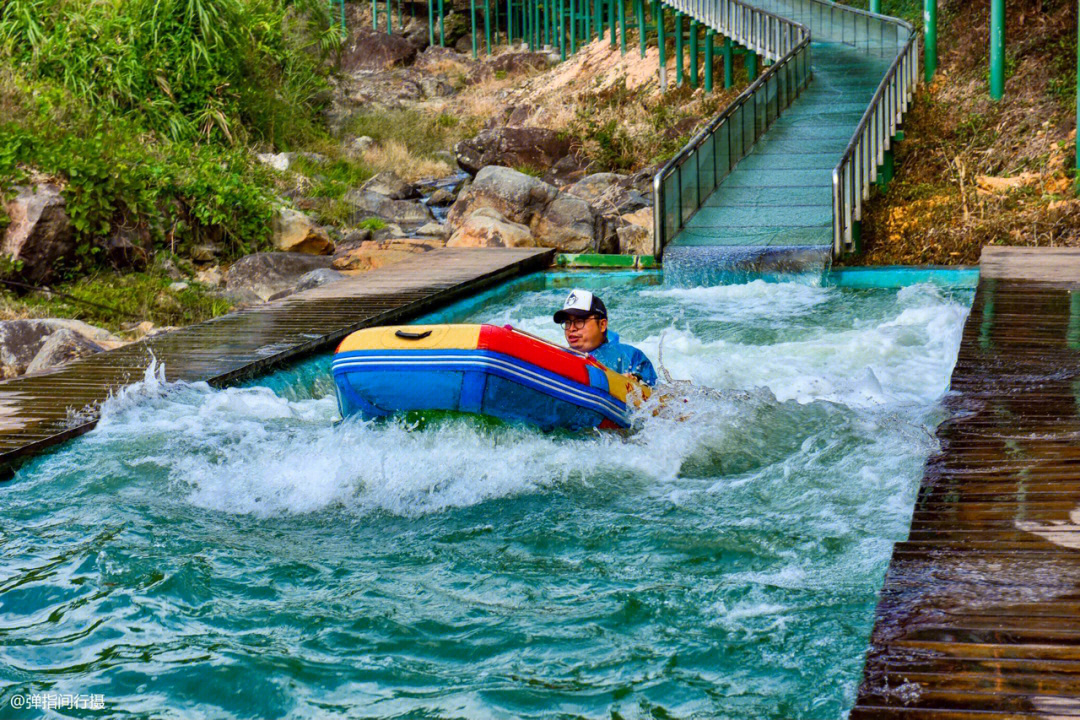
(678, 49)
(487, 24)
(622, 27)
(561, 30)
(472, 12)
(442, 25)
(930, 40)
(729, 69)
(997, 49)
(389, 18)
(374, 14)
(875, 6)
(431, 23)
(573, 26)
(693, 53)
(611, 20)
(639, 5)
(598, 19)
(661, 41)
(750, 59)
(708, 60)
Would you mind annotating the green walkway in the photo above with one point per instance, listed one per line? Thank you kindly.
(780, 195)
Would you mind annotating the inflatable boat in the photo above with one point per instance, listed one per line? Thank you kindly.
(481, 369)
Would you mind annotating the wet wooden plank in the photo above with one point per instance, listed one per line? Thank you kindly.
(979, 616)
(39, 411)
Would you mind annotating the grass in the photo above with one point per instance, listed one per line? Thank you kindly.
(118, 301)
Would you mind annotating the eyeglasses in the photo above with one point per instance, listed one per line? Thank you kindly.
(578, 323)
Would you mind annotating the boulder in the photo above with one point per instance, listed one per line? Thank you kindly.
(276, 161)
(510, 63)
(489, 228)
(436, 58)
(295, 232)
(433, 229)
(568, 224)
(371, 257)
(265, 274)
(608, 193)
(511, 147)
(370, 49)
(60, 347)
(389, 184)
(518, 197)
(555, 219)
(635, 240)
(204, 252)
(441, 197)
(372, 204)
(436, 86)
(211, 276)
(40, 234)
(316, 278)
(361, 144)
(21, 340)
(566, 171)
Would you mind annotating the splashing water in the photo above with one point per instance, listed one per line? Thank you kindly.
(239, 553)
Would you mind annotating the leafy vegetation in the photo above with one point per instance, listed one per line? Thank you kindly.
(141, 110)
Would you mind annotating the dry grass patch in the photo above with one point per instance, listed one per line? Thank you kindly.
(397, 156)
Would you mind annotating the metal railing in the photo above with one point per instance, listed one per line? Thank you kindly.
(695, 172)
(824, 21)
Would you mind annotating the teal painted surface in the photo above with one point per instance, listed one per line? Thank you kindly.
(238, 553)
(781, 194)
(898, 277)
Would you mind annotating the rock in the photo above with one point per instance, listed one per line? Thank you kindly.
(21, 340)
(143, 328)
(295, 232)
(415, 32)
(40, 234)
(990, 185)
(276, 161)
(437, 58)
(441, 197)
(566, 170)
(317, 278)
(642, 180)
(370, 49)
(568, 224)
(446, 156)
(129, 248)
(489, 228)
(433, 230)
(642, 217)
(393, 230)
(267, 273)
(204, 252)
(178, 286)
(554, 219)
(511, 147)
(510, 63)
(607, 192)
(211, 277)
(365, 259)
(389, 184)
(167, 265)
(361, 144)
(436, 86)
(60, 347)
(518, 197)
(372, 204)
(635, 240)
(353, 238)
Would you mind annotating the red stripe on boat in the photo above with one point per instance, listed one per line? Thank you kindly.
(538, 352)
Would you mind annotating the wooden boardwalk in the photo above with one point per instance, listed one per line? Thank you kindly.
(980, 613)
(37, 411)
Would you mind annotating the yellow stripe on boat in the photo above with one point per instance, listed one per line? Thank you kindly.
(622, 387)
(441, 337)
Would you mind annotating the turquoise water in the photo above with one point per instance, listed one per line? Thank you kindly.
(238, 553)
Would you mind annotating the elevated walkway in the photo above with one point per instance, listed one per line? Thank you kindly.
(781, 195)
(777, 180)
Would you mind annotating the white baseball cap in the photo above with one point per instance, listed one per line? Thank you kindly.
(581, 303)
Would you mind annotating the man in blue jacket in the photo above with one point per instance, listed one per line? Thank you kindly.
(585, 323)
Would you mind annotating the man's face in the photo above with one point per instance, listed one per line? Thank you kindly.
(585, 334)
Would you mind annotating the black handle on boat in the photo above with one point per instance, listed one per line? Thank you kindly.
(412, 336)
